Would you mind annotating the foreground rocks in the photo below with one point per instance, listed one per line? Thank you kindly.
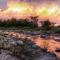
(12, 48)
(48, 56)
(5, 56)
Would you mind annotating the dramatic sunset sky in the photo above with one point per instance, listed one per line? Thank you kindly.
(24, 8)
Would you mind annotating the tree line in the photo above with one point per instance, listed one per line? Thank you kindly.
(46, 25)
(17, 23)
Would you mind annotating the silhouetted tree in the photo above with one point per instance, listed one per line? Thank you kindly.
(34, 20)
(17, 23)
(46, 25)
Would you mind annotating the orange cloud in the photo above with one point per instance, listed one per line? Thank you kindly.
(23, 10)
(18, 10)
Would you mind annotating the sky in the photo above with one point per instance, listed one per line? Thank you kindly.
(23, 8)
(3, 3)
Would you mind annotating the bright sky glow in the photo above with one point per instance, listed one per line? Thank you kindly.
(24, 9)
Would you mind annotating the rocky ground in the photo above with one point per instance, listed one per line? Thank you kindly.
(12, 48)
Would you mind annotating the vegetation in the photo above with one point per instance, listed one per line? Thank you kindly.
(47, 25)
(31, 23)
(57, 30)
(18, 23)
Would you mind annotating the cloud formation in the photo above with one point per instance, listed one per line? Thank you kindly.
(3, 3)
(24, 8)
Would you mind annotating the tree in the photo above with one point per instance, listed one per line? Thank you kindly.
(46, 25)
(34, 20)
(19, 23)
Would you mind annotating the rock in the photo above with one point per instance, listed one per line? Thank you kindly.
(5, 56)
(24, 49)
(48, 56)
(34, 46)
(19, 42)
